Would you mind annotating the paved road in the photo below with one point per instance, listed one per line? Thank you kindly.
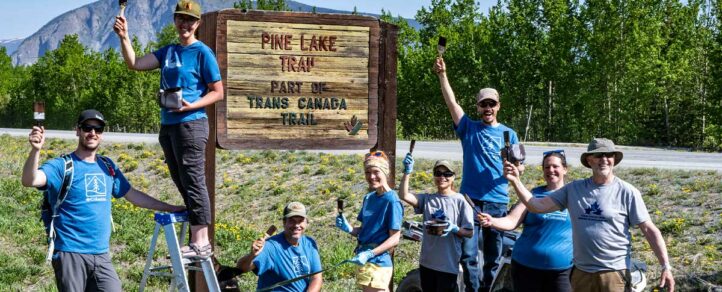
(451, 150)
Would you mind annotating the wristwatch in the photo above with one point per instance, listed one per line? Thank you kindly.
(666, 267)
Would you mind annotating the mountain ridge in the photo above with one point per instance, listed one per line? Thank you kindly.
(93, 24)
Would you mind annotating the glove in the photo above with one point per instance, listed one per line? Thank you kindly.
(451, 229)
(343, 224)
(408, 164)
(363, 257)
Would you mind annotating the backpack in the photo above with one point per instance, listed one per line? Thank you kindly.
(48, 212)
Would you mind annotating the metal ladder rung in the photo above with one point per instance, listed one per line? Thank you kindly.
(179, 265)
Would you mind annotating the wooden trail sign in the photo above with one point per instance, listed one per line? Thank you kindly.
(297, 80)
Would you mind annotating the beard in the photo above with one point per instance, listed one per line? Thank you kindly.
(84, 145)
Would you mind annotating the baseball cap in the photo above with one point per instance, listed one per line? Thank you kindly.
(294, 209)
(91, 114)
(444, 163)
(487, 93)
(188, 7)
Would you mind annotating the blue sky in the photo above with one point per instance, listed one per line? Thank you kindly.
(21, 18)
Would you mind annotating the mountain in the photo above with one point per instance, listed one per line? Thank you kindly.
(11, 45)
(93, 23)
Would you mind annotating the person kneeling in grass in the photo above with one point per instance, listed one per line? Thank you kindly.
(440, 254)
(286, 255)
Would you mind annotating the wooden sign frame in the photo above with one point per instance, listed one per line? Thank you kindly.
(216, 24)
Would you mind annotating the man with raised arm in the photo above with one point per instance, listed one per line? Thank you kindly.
(483, 178)
(82, 221)
(602, 209)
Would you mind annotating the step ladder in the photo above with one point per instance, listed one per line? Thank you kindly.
(179, 265)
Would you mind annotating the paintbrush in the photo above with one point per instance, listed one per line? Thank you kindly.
(39, 113)
(441, 46)
(122, 4)
(270, 231)
(339, 205)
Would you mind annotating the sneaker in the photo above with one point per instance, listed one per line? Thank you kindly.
(197, 252)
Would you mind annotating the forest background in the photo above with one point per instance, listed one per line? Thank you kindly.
(644, 72)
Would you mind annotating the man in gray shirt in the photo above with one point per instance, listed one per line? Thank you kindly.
(602, 208)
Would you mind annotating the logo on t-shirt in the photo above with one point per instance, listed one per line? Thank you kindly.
(95, 187)
(301, 265)
(593, 213)
(490, 145)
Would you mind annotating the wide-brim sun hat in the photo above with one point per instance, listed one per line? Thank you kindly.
(601, 145)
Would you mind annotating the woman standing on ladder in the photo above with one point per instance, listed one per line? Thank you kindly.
(190, 81)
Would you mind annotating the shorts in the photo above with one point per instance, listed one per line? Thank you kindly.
(374, 276)
(603, 281)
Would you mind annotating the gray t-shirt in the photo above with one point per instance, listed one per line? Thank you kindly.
(601, 217)
(442, 253)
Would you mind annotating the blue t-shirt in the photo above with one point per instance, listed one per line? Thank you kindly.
(379, 215)
(280, 261)
(83, 222)
(483, 177)
(546, 241)
(191, 68)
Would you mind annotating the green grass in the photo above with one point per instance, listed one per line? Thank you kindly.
(253, 186)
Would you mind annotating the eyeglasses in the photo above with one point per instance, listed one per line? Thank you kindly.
(600, 155)
(88, 128)
(558, 151)
(447, 173)
(377, 154)
(487, 103)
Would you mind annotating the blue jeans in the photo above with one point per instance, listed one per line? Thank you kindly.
(469, 263)
(490, 243)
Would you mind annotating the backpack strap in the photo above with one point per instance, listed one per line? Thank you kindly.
(64, 190)
(111, 171)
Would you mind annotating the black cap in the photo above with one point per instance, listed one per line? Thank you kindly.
(91, 114)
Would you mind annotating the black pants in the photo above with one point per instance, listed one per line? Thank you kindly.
(535, 280)
(184, 147)
(435, 281)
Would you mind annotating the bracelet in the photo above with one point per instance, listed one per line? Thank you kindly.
(666, 267)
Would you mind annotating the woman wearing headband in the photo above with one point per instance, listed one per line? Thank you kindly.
(542, 256)
(381, 215)
(190, 81)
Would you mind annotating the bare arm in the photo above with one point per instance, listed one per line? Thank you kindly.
(316, 283)
(393, 240)
(454, 108)
(147, 62)
(463, 232)
(32, 176)
(656, 242)
(510, 222)
(535, 205)
(245, 263)
(143, 200)
(404, 193)
(215, 93)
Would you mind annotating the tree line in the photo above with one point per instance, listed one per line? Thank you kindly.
(643, 72)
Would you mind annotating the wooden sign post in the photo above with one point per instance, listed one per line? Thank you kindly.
(300, 81)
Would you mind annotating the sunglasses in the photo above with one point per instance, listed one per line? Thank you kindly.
(447, 173)
(558, 151)
(88, 128)
(487, 103)
(600, 155)
(377, 154)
